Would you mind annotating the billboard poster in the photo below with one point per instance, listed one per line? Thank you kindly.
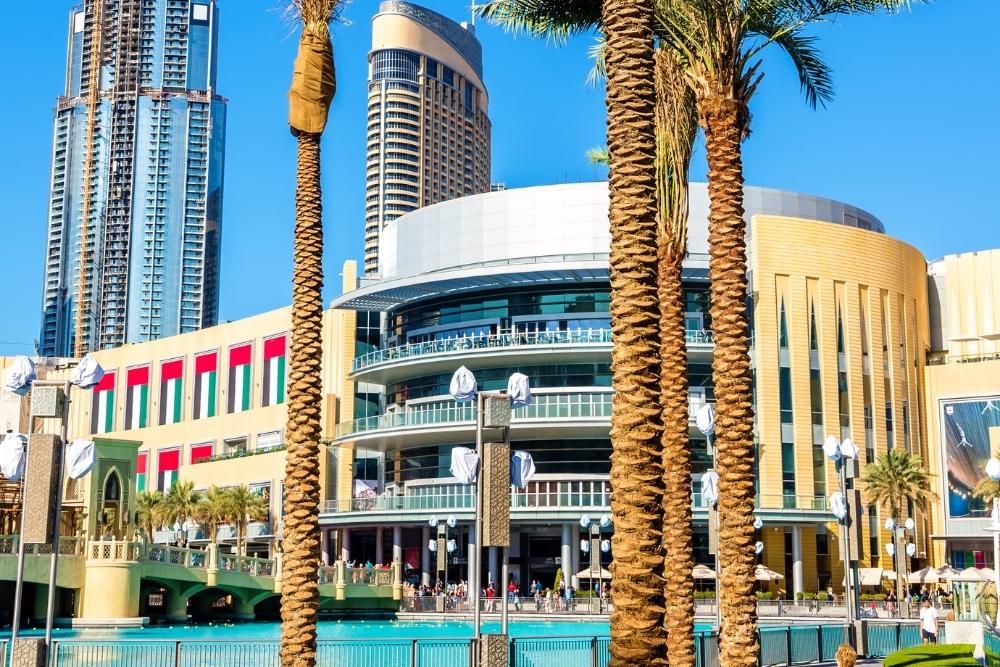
(966, 428)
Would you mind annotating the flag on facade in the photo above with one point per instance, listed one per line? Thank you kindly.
(136, 397)
(168, 462)
(206, 370)
(201, 452)
(171, 391)
(239, 378)
(274, 371)
(140, 472)
(102, 413)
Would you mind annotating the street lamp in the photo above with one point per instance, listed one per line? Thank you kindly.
(594, 545)
(846, 505)
(899, 532)
(443, 546)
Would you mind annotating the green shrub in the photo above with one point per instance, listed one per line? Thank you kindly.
(823, 596)
(873, 597)
(806, 595)
(933, 655)
(704, 595)
(765, 595)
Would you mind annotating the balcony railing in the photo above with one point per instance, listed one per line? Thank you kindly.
(68, 546)
(502, 341)
(589, 494)
(591, 405)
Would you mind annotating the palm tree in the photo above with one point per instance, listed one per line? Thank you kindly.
(244, 506)
(897, 479)
(213, 510)
(313, 88)
(179, 503)
(987, 490)
(720, 44)
(148, 512)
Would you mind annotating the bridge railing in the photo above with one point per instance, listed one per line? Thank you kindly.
(115, 550)
(161, 553)
(257, 567)
(68, 546)
(340, 573)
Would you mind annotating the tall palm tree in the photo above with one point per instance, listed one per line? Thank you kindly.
(894, 480)
(720, 42)
(313, 88)
(987, 490)
(148, 512)
(212, 511)
(244, 506)
(179, 503)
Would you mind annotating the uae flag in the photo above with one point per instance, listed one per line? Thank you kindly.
(136, 397)
(274, 371)
(102, 413)
(140, 472)
(239, 378)
(171, 391)
(201, 452)
(206, 370)
(167, 464)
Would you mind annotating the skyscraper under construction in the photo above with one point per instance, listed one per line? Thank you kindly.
(134, 225)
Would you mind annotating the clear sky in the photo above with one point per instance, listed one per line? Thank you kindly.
(900, 140)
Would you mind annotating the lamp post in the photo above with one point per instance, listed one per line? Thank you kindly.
(443, 545)
(705, 421)
(899, 556)
(593, 544)
(846, 504)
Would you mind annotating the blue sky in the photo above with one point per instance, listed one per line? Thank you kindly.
(900, 140)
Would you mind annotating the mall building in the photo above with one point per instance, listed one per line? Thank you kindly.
(854, 335)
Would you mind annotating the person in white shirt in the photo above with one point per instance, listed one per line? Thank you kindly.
(928, 623)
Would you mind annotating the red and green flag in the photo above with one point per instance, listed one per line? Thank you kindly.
(206, 371)
(171, 391)
(239, 377)
(102, 413)
(140, 472)
(274, 370)
(168, 463)
(137, 397)
(201, 452)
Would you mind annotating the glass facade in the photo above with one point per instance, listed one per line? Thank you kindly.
(148, 167)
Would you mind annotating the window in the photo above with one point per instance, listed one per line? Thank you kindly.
(268, 440)
(201, 451)
(236, 445)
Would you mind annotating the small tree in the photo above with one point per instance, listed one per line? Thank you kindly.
(895, 478)
(180, 502)
(212, 511)
(148, 512)
(245, 505)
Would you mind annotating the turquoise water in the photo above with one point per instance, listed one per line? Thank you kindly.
(347, 629)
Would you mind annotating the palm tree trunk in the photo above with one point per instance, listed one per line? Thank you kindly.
(637, 633)
(725, 122)
(678, 538)
(300, 586)
(676, 127)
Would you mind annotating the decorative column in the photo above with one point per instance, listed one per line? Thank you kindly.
(425, 556)
(397, 544)
(325, 546)
(379, 545)
(574, 551)
(474, 566)
(796, 563)
(345, 544)
(494, 567)
(567, 553)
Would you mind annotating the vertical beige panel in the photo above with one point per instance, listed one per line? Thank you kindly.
(797, 311)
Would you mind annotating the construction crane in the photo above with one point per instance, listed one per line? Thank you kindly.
(94, 64)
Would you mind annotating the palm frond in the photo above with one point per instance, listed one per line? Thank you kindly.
(314, 13)
(598, 155)
(599, 71)
(814, 74)
(555, 20)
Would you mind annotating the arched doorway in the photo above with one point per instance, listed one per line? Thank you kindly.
(111, 520)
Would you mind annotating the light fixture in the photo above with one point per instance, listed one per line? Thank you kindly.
(451, 521)
(605, 546)
(432, 546)
(585, 521)
(890, 523)
(605, 521)
(433, 521)
(911, 549)
(890, 549)
(909, 524)
(585, 546)
(758, 548)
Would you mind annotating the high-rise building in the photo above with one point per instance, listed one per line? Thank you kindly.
(428, 127)
(132, 250)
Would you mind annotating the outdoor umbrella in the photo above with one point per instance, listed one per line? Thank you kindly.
(928, 575)
(766, 574)
(947, 573)
(592, 573)
(703, 572)
(974, 574)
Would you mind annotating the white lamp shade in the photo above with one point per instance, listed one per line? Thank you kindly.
(831, 448)
(890, 523)
(605, 521)
(585, 546)
(890, 549)
(87, 373)
(80, 457)
(452, 545)
(710, 487)
(993, 469)
(12, 455)
(605, 546)
(838, 505)
(848, 449)
(909, 523)
(911, 549)
(705, 419)
(432, 545)
(464, 464)
(519, 390)
(758, 548)
(432, 522)
(20, 375)
(585, 521)
(758, 523)
(522, 469)
(463, 385)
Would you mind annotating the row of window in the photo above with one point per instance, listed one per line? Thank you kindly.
(202, 392)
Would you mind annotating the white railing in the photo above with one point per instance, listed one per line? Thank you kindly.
(68, 546)
(192, 558)
(503, 341)
(115, 550)
(257, 567)
(355, 574)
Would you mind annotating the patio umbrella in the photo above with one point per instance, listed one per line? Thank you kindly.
(592, 573)
(928, 575)
(873, 576)
(766, 574)
(703, 572)
(973, 574)
(947, 573)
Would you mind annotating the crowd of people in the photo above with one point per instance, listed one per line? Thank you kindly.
(541, 599)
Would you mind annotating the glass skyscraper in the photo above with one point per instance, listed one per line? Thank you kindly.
(134, 225)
